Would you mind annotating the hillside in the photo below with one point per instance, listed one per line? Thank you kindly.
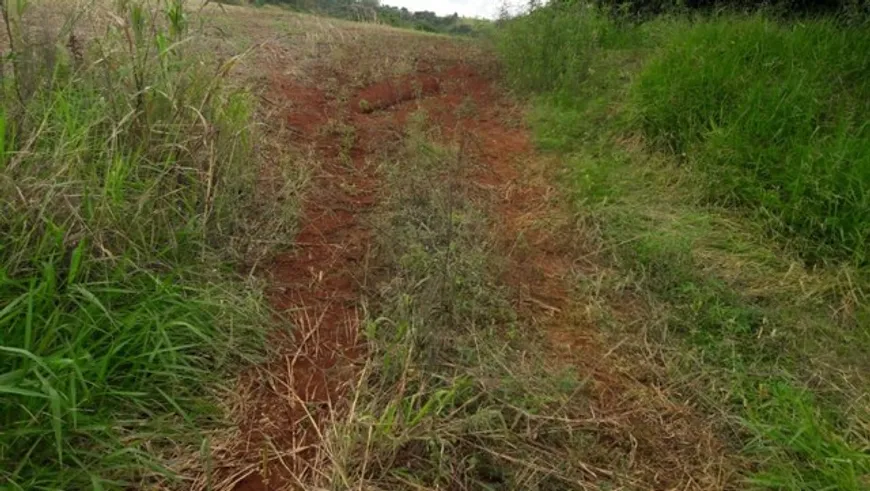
(246, 248)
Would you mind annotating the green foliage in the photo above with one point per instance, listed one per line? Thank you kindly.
(787, 7)
(740, 334)
(777, 115)
(806, 448)
(774, 113)
(124, 174)
(373, 11)
(746, 348)
(546, 64)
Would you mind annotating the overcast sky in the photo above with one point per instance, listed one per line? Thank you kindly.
(466, 8)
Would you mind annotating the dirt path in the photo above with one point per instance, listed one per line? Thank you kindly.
(319, 283)
(317, 286)
(670, 446)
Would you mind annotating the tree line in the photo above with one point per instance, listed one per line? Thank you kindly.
(786, 7)
(374, 11)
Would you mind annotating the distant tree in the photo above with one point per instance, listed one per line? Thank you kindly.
(374, 11)
(504, 11)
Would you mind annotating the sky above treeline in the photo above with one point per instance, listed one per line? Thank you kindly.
(465, 8)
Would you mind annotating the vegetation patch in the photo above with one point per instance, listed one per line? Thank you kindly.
(775, 114)
(127, 197)
(731, 304)
(374, 11)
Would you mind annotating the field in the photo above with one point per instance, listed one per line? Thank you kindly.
(250, 249)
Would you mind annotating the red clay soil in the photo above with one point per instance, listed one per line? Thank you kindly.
(317, 286)
(318, 283)
(389, 93)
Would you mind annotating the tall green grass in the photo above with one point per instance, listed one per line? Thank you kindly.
(772, 112)
(776, 114)
(536, 51)
(757, 114)
(124, 176)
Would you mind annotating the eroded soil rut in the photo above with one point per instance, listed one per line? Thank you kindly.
(319, 283)
(317, 286)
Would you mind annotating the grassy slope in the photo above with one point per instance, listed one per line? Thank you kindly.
(775, 350)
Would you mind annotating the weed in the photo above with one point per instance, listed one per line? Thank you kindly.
(774, 113)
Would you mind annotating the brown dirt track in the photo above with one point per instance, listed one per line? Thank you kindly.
(349, 116)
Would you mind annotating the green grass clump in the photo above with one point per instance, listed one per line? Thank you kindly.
(546, 63)
(124, 177)
(776, 114)
(552, 49)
